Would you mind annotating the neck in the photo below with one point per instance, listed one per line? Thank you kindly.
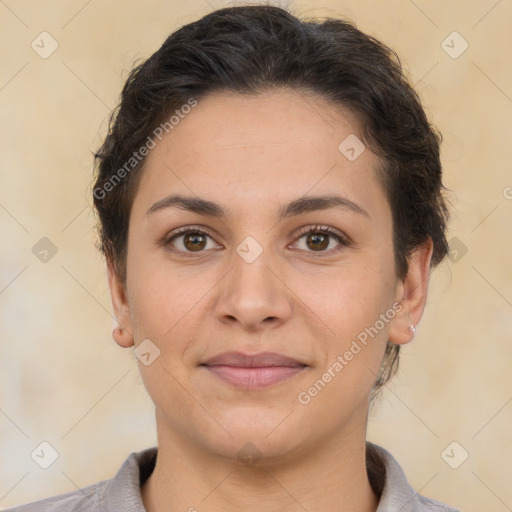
(327, 478)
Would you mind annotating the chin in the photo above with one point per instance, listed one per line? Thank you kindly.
(252, 450)
(259, 435)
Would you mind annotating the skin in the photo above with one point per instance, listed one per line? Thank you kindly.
(251, 155)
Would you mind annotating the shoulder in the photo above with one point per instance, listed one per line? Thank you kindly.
(122, 492)
(390, 483)
(88, 498)
(430, 505)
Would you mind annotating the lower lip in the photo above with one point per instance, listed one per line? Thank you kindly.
(255, 378)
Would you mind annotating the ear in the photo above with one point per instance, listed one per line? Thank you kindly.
(123, 332)
(412, 295)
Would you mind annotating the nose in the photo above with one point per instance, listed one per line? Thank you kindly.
(254, 295)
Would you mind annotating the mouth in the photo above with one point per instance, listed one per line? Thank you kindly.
(256, 371)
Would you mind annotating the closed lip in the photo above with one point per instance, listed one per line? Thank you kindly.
(259, 360)
(253, 371)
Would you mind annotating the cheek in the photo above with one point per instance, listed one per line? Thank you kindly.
(349, 299)
(356, 305)
(358, 312)
(160, 296)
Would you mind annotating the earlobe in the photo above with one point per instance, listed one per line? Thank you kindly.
(122, 337)
(412, 295)
(122, 332)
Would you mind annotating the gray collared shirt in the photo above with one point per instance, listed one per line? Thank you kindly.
(122, 493)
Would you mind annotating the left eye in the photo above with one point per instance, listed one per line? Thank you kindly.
(319, 239)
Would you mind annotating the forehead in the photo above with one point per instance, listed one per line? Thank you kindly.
(258, 149)
(274, 120)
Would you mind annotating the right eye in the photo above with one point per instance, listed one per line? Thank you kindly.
(189, 240)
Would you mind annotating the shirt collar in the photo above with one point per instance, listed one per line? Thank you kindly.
(124, 490)
(389, 481)
(385, 474)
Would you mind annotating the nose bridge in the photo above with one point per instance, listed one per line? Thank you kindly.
(253, 292)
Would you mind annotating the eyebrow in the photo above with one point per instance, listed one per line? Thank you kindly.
(298, 206)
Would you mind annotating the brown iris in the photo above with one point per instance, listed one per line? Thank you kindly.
(319, 240)
(194, 241)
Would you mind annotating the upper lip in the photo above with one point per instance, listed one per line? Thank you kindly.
(241, 360)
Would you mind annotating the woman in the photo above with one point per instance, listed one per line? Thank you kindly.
(270, 208)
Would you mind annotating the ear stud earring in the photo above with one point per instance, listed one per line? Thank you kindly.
(412, 330)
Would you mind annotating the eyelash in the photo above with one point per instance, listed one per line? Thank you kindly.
(318, 229)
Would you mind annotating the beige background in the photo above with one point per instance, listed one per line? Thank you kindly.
(63, 379)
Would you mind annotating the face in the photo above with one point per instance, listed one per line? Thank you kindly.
(258, 300)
